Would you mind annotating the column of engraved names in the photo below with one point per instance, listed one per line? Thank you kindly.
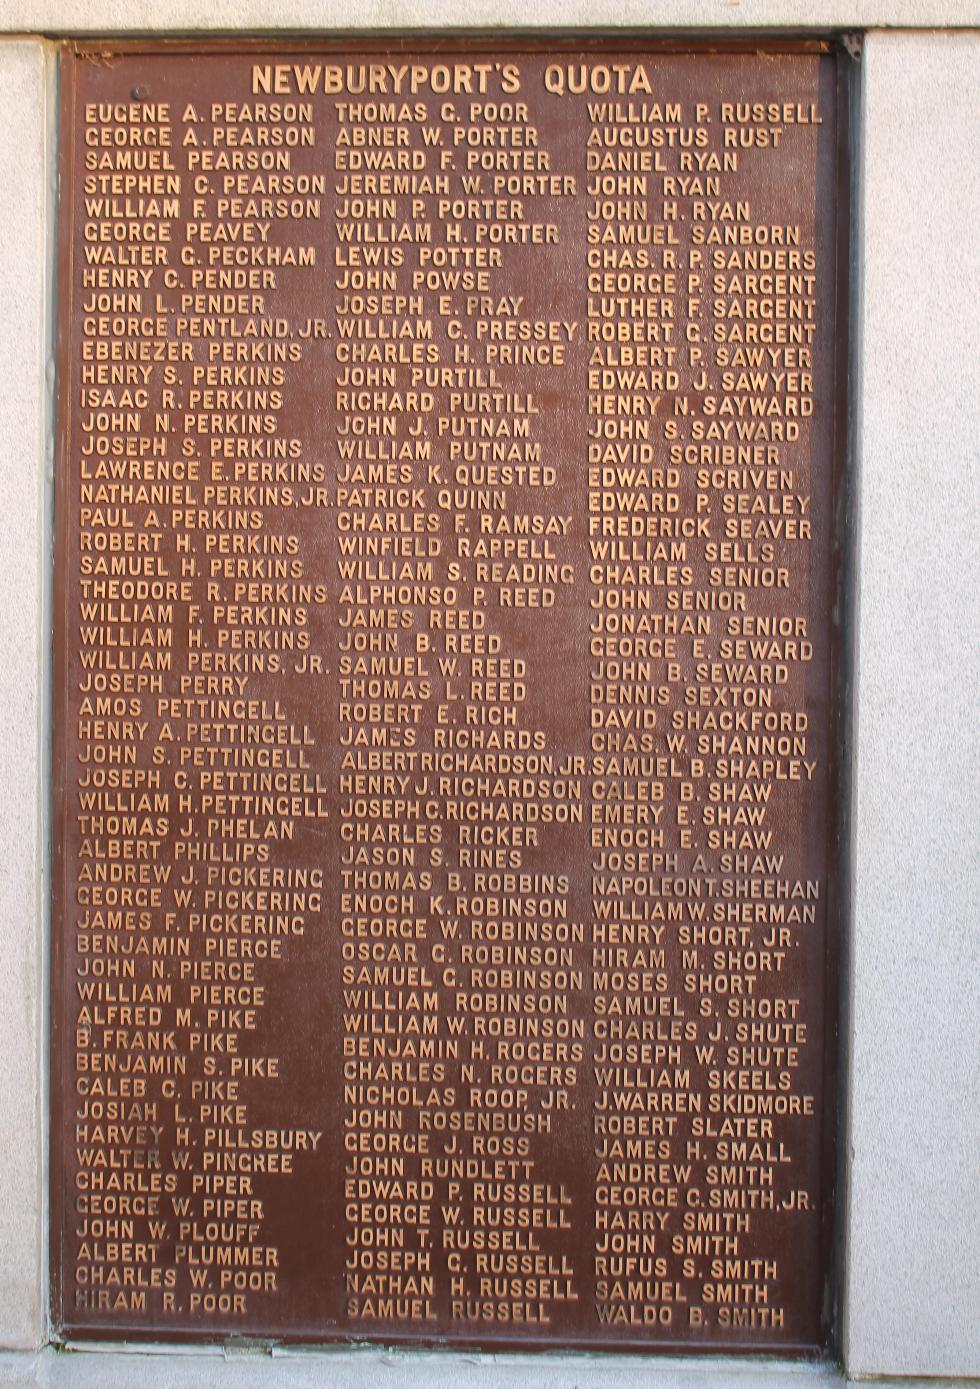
(509, 776)
(388, 545)
(641, 540)
(744, 439)
(250, 771)
(725, 1168)
(661, 169)
(125, 1052)
(227, 766)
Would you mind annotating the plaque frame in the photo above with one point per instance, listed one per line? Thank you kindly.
(71, 53)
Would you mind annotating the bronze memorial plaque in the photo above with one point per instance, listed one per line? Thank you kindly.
(446, 676)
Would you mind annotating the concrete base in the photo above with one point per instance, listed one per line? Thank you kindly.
(367, 1369)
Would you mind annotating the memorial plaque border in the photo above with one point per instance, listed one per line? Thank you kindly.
(840, 184)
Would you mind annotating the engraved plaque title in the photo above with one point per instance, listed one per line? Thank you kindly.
(444, 921)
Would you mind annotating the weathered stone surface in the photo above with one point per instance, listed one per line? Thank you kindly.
(913, 1238)
(24, 167)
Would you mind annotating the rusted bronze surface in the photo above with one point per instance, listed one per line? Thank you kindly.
(444, 921)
